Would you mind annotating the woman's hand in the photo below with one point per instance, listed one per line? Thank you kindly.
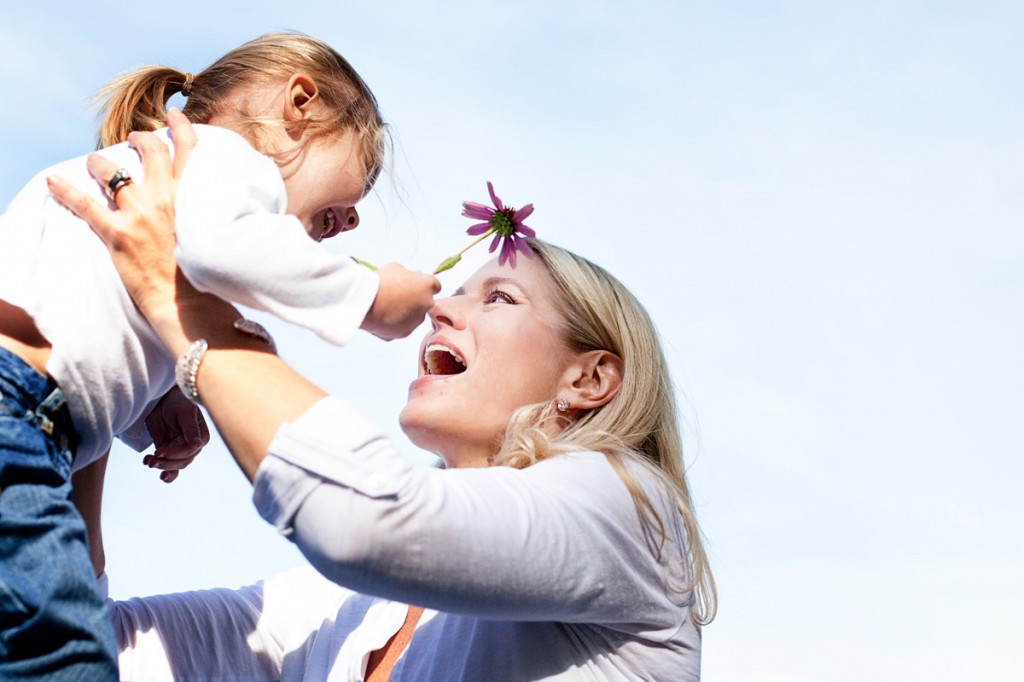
(140, 234)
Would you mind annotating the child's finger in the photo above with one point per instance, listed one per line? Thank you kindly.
(174, 451)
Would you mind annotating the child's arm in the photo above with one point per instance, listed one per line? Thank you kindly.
(402, 301)
(236, 240)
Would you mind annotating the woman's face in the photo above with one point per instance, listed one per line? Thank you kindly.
(493, 348)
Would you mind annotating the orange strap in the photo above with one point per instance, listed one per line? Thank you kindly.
(378, 668)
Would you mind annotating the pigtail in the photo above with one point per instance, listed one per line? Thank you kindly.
(137, 100)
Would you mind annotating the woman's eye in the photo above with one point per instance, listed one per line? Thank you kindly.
(497, 296)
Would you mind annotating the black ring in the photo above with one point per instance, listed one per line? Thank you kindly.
(119, 179)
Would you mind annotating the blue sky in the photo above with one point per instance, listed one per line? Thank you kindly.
(820, 205)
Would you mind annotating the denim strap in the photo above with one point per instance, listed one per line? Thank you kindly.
(42, 416)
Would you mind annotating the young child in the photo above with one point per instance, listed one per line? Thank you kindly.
(294, 139)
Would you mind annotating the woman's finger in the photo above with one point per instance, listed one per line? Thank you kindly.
(156, 157)
(83, 206)
(102, 171)
(184, 136)
(127, 195)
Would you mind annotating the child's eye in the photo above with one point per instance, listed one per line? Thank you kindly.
(498, 296)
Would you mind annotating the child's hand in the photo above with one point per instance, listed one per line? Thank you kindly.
(402, 302)
(179, 432)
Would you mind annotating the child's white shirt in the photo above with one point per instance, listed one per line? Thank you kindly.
(235, 240)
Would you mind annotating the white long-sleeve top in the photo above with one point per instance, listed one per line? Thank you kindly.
(544, 573)
(235, 240)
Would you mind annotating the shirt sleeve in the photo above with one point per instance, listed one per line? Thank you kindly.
(137, 435)
(236, 240)
(251, 633)
(558, 541)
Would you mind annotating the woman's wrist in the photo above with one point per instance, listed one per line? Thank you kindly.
(180, 315)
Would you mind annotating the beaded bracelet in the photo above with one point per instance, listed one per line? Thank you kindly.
(187, 367)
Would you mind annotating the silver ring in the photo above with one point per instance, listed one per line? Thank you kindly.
(119, 179)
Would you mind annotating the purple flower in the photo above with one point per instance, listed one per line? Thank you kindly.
(504, 222)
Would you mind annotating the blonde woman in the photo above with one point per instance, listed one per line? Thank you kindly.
(558, 542)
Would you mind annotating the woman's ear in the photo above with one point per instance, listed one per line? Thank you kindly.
(594, 379)
(300, 95)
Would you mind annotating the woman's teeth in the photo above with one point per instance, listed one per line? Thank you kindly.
(440, 359)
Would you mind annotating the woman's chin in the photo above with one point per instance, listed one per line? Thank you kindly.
(418, 429)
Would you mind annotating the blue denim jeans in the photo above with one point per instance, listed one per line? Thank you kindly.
(53, 622)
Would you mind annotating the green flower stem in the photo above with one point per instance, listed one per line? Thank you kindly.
(364, 263)
(448, 263)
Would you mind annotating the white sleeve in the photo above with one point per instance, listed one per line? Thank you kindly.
(557, 541)
(245, 634)
(137, 435)
(236, 240)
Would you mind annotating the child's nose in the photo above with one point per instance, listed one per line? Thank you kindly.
(349, 219)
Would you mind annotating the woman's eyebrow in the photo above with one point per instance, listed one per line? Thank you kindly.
(492, 282)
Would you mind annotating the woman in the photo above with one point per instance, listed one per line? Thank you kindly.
(558, 542)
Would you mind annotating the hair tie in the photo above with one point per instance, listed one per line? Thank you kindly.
(186, 87)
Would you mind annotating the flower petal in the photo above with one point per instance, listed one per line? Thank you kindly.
(508, 252)
(479, 228)
(524, 247)
(502, 256)
(471, 209)
(527, 231)
(522, 214)
(494, 243)
(494, 197)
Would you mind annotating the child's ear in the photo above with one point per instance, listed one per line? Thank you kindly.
(301, 94)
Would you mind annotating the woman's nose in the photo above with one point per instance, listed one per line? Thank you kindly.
(349, 219)
(444, 313)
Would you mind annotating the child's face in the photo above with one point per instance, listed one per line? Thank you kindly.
(324, 183)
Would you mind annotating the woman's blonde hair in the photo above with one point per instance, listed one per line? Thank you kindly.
(641, 424)
(137, 100)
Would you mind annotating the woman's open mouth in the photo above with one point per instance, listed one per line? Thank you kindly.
(439, 359)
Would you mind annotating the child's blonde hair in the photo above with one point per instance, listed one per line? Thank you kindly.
(640, 424)
(137, 100)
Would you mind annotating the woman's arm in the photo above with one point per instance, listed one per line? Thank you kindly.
(247, 389)
(222, 634)
(559, 541)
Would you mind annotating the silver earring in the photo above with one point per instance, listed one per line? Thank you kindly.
(562, 405)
